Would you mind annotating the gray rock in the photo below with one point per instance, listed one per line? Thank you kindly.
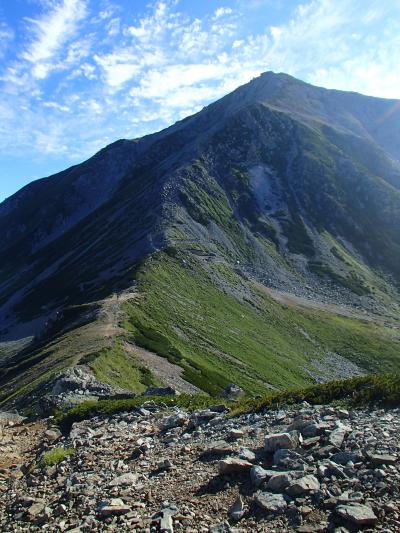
(219, 448)
(233, 465)
(125, 480)
(287, 458)
(342, 458)
(232, 392)
(52, 434)
(304, 485)
(258, 475)
(272, 503)
(336, 437)
(359, 514)
(174, 421)
(279, 441)
(382, 459)
(247, 454)
(114, 506)
(161, 391)
(279, 482)
(237, 510)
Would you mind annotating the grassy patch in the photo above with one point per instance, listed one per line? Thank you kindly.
(380, 390)
(191, 315)
(117, 368)
(55, 456)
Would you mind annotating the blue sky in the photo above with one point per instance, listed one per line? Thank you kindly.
(76, 75)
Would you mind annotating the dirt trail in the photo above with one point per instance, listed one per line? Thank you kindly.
(16, 444)
(167, 372)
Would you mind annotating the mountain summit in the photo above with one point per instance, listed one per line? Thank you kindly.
(279, 187)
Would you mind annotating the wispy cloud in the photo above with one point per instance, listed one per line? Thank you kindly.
(50, 33)
(82, 78)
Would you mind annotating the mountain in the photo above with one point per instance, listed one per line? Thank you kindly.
(255, 241)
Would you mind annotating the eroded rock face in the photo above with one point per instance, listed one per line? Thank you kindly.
(152, 469)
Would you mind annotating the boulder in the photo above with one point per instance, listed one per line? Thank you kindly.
(232, 392)
(279, 482)
(233, 465)
(304, 485)
(279, 441)
(357, 513)
(271, 503)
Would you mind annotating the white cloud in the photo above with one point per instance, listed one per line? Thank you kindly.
(85, 79)
(222, 11)
(51, 32)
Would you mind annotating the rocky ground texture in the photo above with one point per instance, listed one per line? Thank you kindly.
(304, 469)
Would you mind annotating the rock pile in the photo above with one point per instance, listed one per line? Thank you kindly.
(305, 469)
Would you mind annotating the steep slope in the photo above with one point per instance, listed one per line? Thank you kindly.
(295, 186)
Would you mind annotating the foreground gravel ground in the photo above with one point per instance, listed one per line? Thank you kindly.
(305, 469)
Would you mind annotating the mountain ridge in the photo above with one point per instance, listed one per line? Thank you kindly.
(277, 180)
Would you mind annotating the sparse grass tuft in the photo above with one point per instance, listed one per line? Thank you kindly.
(55, 456)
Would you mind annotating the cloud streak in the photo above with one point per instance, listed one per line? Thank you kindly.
(82, 79)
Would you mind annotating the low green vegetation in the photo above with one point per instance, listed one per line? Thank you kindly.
(378, 390)
(222, 329)
(116, 367)
(55, 456)
(90, 409)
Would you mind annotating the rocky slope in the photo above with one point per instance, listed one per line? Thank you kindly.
(301, 468)
(290, 185)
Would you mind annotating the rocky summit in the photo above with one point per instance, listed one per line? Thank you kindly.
(154, 469)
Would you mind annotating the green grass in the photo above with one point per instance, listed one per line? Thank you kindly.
(55, 456)
(90, 409)
(189, 315)
(378, 390)
(117, 368)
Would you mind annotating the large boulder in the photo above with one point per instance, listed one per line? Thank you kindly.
(281, 441)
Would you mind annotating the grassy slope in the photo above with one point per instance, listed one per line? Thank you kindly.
(218, 339)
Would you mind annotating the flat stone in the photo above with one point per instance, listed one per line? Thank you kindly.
(174, 421)
(382, 459)
(336, 437)
(114, 506)
(232, 465)
(357, 513)
(272, 503)
(342, 458)
(219, 447)
(124, 480)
